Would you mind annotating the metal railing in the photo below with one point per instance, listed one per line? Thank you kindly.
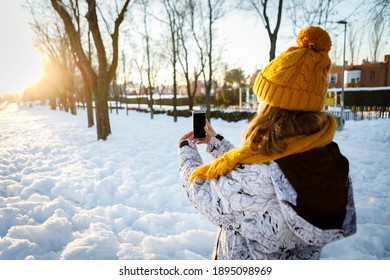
(362, 115)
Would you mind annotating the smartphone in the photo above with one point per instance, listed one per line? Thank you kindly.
(199, 122)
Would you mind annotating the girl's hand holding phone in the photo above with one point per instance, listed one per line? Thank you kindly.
(210, 133)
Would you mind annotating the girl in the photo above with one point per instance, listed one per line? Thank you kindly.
(286, 192)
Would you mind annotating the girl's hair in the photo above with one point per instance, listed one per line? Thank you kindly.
(268, 130)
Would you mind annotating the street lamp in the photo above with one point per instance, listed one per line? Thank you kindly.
(342, 121)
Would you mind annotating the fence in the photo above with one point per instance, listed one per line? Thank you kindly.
(364, 114)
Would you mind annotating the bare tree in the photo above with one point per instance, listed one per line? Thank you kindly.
(52, 41)
(354, 44)
(75, 11)
(325, 14)
(376, 39)
(313, 12)
(214, 13)
(160, 90)
(262, 9)
(184, 37)
(171, 12)
(115, 93)
(124, 79)
(196, 33)
(379, 15)
(145, 8)
(380, 11)
(139, 62)
(101, 78)
(204, 16)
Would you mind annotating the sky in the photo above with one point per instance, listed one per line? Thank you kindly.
(20, 64)
(243, 36)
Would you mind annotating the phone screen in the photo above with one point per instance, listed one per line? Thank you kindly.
(199, 121)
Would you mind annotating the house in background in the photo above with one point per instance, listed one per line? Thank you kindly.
(367, 74)
(366, 90)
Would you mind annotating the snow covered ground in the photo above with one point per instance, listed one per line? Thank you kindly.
(65, 195)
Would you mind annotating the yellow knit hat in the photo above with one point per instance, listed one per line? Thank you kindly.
(298, 78)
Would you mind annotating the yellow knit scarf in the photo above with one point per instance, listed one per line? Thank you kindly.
(245, 155)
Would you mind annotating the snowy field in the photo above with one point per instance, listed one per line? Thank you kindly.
(65, 195)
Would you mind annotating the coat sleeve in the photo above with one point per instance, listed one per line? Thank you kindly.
(204, 195)
(218, 146)
(243, 201)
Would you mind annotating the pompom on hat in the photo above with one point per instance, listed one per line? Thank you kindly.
(298, 78)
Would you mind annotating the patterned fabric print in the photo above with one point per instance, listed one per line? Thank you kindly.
(217, 148)
(188, 161)
(248, 204)
(349, 225)
(283, 188)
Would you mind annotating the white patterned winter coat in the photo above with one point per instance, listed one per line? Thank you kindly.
(266, 213)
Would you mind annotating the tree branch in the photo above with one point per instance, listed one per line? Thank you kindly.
(74, 36)
(115, 37)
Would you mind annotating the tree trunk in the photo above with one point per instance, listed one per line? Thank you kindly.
(64, 101)
(99, 81)
(87, 93)
(190, 97)
(88, 99)
(101, 111)
(208, 101)
(174, 93)
(262, 12)
(72, 104)
(151, 101)
(53, 103)
(272, 51)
